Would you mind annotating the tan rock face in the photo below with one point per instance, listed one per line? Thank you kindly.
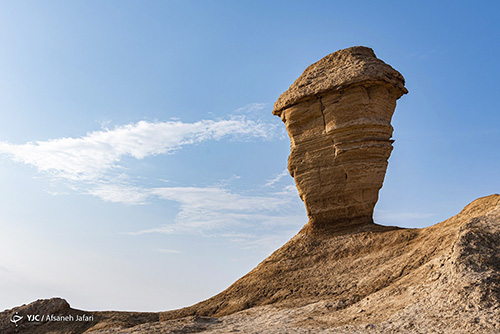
(338, 117)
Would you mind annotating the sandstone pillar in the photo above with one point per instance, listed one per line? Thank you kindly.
(338, 116)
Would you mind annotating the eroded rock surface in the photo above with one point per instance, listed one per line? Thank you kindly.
(56, 316)
(338, 116)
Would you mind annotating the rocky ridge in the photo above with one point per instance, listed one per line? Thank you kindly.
(441, 279)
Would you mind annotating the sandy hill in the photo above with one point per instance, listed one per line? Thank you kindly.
(365, 279)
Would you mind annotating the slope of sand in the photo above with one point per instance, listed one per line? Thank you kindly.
(362, 279)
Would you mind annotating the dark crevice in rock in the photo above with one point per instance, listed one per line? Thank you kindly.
(323, 113)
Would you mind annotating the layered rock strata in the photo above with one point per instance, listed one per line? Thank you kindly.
(338, 116)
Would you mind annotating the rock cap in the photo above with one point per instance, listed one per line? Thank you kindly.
(354, 65)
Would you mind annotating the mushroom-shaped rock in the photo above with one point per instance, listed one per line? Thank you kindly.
(338, 116)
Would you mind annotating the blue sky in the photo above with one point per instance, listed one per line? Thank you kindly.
(141, 167)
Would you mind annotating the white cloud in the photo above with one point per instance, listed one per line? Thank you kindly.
(390, 217)
(95, 164)
(119, 193)
(251, 107)
(269, 243)
(168, 251)
(276, 179)
(205, 209)
(217, 199)
(93, 156)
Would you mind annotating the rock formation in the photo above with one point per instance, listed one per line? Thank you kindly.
(56, 316)
(338, 116)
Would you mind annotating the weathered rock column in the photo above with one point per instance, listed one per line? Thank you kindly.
(338, 116)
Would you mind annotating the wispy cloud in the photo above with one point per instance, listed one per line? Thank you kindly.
(391, 217)
(93, 156)
(208, 209)
(96, 164)
(120, 193)
(277, 178)
(268, 243)
(249, 108)
(168, 251)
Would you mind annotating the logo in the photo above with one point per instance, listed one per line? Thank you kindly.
(16, 318)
